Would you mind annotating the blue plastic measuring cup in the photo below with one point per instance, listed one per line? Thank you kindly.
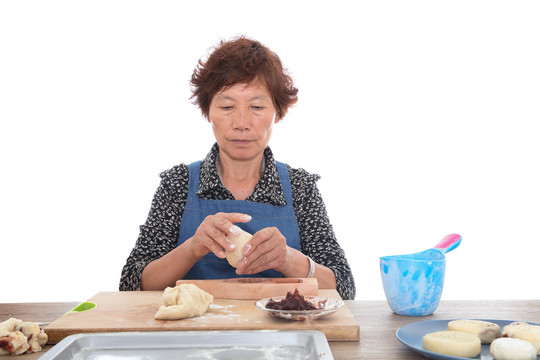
(413, 283)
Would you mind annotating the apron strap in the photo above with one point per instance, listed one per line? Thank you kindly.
(193, 184)
(285, 181)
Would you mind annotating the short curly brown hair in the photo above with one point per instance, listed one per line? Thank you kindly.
(242, 60)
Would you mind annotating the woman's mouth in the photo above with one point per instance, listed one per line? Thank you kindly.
(241, 142)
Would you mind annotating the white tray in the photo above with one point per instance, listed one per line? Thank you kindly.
(194, 345)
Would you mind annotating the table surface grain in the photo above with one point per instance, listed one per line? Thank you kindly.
(378, 324)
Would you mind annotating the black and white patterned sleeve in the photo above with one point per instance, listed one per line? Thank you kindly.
(159, 234)
(317, 238)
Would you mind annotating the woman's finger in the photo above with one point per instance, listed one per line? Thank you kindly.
(216, 249)
(213, 231)
(218, 238)
(263, 236)
(266, 250)
(225, 222)
(265, 262)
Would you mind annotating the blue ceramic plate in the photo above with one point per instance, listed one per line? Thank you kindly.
(411, 336)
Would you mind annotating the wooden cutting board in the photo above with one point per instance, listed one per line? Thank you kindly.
(134, 311)
(255, 288)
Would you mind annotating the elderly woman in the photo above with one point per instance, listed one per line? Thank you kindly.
(242, 90)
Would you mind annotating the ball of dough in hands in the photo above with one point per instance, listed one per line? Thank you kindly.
(240, 241)
(183, 301)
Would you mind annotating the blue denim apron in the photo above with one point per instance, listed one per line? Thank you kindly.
(263, 215)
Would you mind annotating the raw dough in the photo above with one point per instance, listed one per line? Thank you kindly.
(524, 331)
(512, 349)
(454, 343)
(183, 301)
(486, 331)
(240, 241)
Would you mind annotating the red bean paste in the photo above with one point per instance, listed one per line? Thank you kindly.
(291, 302)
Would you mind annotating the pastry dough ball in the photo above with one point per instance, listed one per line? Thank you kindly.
(183, 301)
(485, 330)
(454, 343)
(240, 241)
(524, 331)
(512, 349)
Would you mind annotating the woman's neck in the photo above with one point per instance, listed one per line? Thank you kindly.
(240, 177)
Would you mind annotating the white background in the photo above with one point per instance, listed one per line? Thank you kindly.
(420, 116)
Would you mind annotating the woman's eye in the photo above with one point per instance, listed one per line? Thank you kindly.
(258, 107)
(226, 107)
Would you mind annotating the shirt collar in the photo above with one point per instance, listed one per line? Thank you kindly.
(268, 189)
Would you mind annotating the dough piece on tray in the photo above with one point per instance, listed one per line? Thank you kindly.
(183, 301)
(512, 349)
(240, 241)
(524, 331)
(485, 330)
(454, 343)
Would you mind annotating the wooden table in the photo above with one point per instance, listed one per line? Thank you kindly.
(378, 324)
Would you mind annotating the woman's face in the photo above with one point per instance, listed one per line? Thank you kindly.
(242, 118)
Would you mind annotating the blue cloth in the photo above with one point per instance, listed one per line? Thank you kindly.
(263, 215)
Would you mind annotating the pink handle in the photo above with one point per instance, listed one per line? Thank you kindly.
(448, 243)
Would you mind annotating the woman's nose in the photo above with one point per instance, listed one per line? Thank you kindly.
(241, 119)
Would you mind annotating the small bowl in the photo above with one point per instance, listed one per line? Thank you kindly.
(327, 306)
(412, 286)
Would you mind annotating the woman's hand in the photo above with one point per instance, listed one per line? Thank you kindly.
(267, 249)
(211, 235)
